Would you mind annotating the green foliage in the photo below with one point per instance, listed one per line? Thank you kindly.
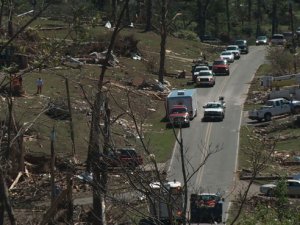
(266, 215)
(281, 60)
(278, 211)
(186, 34)
(282, 200)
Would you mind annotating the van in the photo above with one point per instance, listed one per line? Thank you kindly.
(184, 97)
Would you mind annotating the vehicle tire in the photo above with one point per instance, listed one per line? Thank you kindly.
(296, 110)
(219, 219)
(268, 117)
(270, 193)
(188, 125)
(259, 120)
(228, 73)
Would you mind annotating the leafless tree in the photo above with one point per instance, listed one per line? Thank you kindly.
(259, 152)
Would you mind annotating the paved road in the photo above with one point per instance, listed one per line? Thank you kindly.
(218, 172)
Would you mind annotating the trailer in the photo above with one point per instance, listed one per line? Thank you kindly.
(165, 204)
(186, 97)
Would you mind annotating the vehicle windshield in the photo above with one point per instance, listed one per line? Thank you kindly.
(219, 62)
(232, 48)
(240, 42)
(269, 103)
(178, 110)
(205, 73)
(200, 68)
(261, 38)
(277, 37)
(213, 105)
(226, 53)
(209, 197)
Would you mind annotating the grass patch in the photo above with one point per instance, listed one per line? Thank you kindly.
(161, 140)
(245, 134)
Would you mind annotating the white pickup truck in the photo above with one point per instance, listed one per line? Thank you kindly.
(214, 110)
(274, 107)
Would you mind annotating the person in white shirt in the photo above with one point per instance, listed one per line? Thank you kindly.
(39, 85)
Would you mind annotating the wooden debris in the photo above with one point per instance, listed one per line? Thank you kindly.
(15, 181)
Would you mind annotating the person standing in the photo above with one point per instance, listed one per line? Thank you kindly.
(39, 85)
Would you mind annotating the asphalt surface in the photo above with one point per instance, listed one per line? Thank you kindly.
(218, 173)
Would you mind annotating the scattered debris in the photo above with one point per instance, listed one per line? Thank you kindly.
(58, 109)
(136, 56)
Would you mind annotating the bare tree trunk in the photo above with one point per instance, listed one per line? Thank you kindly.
(70, 199)
(250, 9)
(1, 12)
(127, 16)
(274, 17)
(2, 208)
(94, 157)
(71, 117)
(258, 19)
(52, 166)
(148, 26)
(6, 201)
(202, 6)
(228, 18)
(10, 30)
(94, 142)
(22, 153)
(114, 11)
(163, 41)
(106, 149)
(185, 179)
(10, 116)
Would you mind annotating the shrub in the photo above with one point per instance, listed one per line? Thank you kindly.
(125, 45)
(247, 30)
(151, 64)
(281, 60)
(225, 38)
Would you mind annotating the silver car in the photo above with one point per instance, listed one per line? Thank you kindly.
(293, 188)
(228, 55)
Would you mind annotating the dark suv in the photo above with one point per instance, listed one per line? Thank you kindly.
(242, 45)
(126, 157)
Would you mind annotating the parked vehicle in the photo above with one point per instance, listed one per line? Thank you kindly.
(184, 97)
(205, 77)
(261, 40)
(210, 39)
(293, 188)
(274, 107)
(235, 50)
(197, 69)
(288, 35)
(242, 45)
(227, 55)
(220, 66)
(179, 116)
(214, 110)
(124, 157)
(278, 39)
(206, 208)
(298, 31)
